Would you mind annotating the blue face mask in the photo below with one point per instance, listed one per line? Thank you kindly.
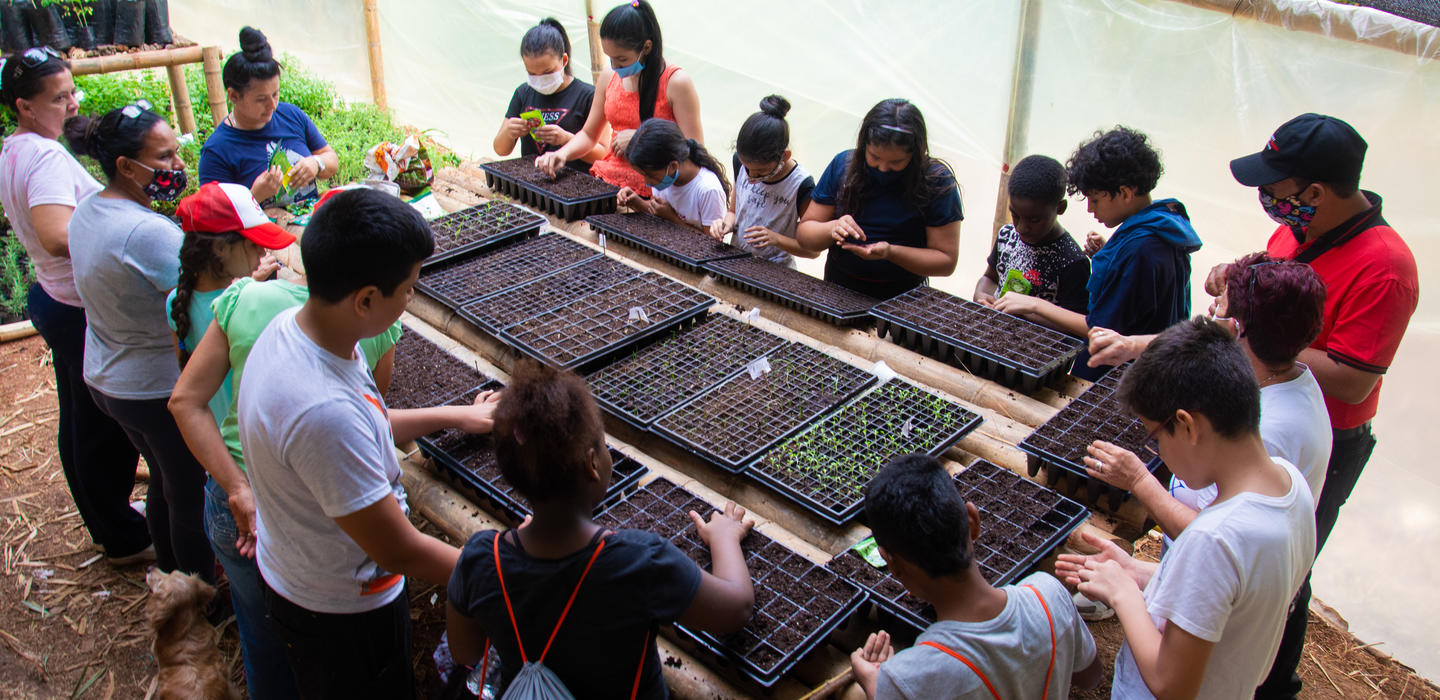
(667, 181)
(627, 71)
(881, 177)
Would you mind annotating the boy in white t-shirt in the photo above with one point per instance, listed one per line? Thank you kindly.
(1019, 641)
(334, 542)
(1210, 616)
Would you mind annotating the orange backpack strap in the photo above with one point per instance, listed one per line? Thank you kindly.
(640, 670)
(963, 660)
(510, 609)
(1050, 671)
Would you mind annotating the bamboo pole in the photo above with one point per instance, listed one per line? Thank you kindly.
(1022, 87)
(1339, 21)
(377, 63)
(592, 31)
(16, 331)
(184, 112)
(135, 61)
(214, 84)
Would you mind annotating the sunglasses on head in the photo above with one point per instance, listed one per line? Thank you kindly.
(134, 109)
(33, 58)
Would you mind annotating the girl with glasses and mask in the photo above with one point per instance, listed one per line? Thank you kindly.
(689, 185)
(551, 89)
(127, 259)
(771, 189)
(40, 186)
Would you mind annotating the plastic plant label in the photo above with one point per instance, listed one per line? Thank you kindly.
(758, 368)
(751, 315)
(637, 313)
(1015, 282)
(600, 238)
(883, 372)
(870, 552)
(908, 428)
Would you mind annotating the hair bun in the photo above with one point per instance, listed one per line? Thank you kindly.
(775, 106)
(255, 46)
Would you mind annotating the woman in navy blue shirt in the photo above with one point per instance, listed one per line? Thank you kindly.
(241, 149)
(888, 212)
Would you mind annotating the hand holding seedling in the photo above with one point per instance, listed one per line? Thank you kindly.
(1115, 465)
(1108, 348)
(1075, 569)
(1093, 243)
(268, 183)
(865, 661)
(553, 135)
(845, 230)
(268, 266)
(725, 525)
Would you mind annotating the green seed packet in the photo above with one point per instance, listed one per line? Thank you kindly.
(1015, 282)
(534, 115)
(870, 552)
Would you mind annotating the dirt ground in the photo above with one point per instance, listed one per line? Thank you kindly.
(72, 625)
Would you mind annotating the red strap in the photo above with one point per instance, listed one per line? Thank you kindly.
(644, 652)
(519, 642)
(1051, 670)
(973, 667)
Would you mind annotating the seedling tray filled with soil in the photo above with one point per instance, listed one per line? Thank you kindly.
(552, 291)
(747, 414)
(463, 279)
(481, 227)
(1061, 444)
(825, 468)
(592, 327)
(797, 604)
(827, 301)
(1021, 522)
(985, 342)
(570, 195)
(671, 242)
(671, 371)
(426, 375)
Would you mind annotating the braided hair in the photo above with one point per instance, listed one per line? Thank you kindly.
(199, 255)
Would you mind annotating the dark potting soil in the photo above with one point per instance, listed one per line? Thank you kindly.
(567, 183)
(1093, 415)
(743, 416)
(426, 375)
(796, 602)
(664, 375)
(964, 323)
(469, 278)
(829, 464)
(682, 241)
(480, 223)
(579, 330)
(549, 292)
(793, 283)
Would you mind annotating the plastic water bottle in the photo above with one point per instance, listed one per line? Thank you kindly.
(484, 683)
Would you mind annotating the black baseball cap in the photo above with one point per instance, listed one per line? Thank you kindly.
(1310, 147)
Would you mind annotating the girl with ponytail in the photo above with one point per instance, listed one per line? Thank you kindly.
(639, 85)
(771, 189)
(551, 89)
(689, 185)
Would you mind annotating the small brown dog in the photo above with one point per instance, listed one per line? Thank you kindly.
(190, 664)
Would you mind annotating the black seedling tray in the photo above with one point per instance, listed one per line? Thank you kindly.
(597, 326)
(797, 603)
(1039, 523)
(425, 374)
(1060, 444)
(679, 245)
(827, 301)
(675, 368)
(552, 291)
(481, 227)
(739, 419)
(463, 279)
(519, 178)
(825, 468)
(1019, 354)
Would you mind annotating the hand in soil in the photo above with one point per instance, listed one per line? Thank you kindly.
(866, 660)
(550, 163)
(1115, 465)
(1017, 304)
(729, 523)
(1075, 569)
(479, 417)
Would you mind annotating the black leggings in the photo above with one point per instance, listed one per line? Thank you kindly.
(175, 501)
(344, 656)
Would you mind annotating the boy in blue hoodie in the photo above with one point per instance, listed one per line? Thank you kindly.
(1140, 278)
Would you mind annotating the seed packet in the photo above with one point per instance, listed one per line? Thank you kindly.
(1015, 282)
(870, 552)
(280, 159)
(535, 119)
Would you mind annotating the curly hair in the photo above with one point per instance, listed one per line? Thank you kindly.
(1039, 178)
(546, 425)
(1280, 305)
(1120, 157)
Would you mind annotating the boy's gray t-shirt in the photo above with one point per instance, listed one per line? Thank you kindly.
(126, 258)
(1012, 649)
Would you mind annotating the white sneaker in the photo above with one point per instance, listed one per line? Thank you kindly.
(1092, 610)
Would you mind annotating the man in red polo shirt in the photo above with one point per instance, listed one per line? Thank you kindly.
(1308, 177)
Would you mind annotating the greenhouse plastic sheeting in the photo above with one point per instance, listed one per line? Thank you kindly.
(1205, 85)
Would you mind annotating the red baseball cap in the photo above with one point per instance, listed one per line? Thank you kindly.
(223, 207)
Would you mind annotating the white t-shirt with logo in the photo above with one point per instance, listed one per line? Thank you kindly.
(699, 201)
(314, 455)
(768, 204)
(35, 170)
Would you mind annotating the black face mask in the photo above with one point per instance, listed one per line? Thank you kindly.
(164, 185)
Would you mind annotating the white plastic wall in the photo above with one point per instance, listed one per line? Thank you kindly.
(1207, 87)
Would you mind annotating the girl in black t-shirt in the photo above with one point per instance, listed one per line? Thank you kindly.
(551, 89)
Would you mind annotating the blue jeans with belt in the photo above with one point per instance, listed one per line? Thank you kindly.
(267, 673)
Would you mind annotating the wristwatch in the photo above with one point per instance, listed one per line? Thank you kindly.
(319, 165)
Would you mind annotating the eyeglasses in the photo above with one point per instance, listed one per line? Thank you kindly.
(1150, 436)
(757, 178)
(1304, 185)
(133, 110)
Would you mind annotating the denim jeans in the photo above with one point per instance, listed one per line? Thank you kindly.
(267, 673)
(345, 656)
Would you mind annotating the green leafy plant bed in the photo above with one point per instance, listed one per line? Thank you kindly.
(16, 276)
(426, 375)
(481, 227)
(738, 420)
(570, 195)
(825, 469)
(463, 279)
(797, 603)
(665, 374)
(679, 245)
(826, 301)
(1061, 443)
(552, 291)
(595, 326)
(985, 342)
(1021, 522)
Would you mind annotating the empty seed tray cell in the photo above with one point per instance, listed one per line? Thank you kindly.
(1021, 523)
(797, 603)
(552, 291)
(481, 227)
(670, 371)
(671, 242)
(987, 343)
(825, 468)
(461, 280)
(1061, 443)
(570, 194)
(590, 328)
(425, 374)
(816, 297)
(747, 414)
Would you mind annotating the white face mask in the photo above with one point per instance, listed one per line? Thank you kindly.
(548, 83)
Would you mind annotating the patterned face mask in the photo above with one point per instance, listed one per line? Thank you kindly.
(1288, 211)
(164, 185)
